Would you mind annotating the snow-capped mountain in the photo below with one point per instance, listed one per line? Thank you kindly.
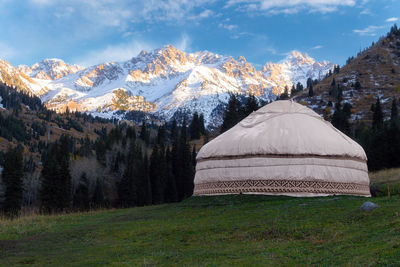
(296, 67)
(49, 69)
(16, 78)
(166, 82)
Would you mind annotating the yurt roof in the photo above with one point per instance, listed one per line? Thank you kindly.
(283, 128)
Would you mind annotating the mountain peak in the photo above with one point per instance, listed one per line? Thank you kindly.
(299, 58)
(49, 69)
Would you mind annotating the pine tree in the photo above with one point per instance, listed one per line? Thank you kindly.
(65, 183)
(98, 195)
(310, 91)
(194, 127)
(232, 114)
(148, 198)
(377, 118)
(161, 135)
(340, 120)
(171, 191)
(56, 192)
(130, 133)
(142, 182)
(251, 105)
(12, 178)
(157, 173)
(127, 187)
(394, 113)
(194, 154)
(202, 125)
(187, 174)
(309, 82)
(357, 85)
(144, 134)
(285, 94)
(81, 195)
(299, 87)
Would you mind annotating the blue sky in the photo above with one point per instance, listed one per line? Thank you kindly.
(87, 32)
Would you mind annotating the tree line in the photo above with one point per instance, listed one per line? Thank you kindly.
(139, 172)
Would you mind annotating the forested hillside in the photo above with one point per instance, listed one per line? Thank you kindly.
(62, 162)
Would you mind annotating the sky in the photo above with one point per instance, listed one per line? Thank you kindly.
(88, 32)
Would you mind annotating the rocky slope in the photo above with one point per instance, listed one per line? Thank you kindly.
(375, 72)
(49, 69)
(295, 68)
(166, 82)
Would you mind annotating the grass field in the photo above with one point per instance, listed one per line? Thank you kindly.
(239, 230)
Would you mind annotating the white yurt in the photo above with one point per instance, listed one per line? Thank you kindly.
(283, 148)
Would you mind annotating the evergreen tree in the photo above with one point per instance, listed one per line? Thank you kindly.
(56, 194)
(232, 114)
(130, 133)
(174, 130)
(202, 125)
(161, 135)
(171, 192)
(65, 176)
(81, 195)
(357, 85)
(12, 178)
(194, 154)
(310, 91)
(101, 151)
(187, 174)
(194, 127)
(98, 195)
(251, 105)
(339, 95)
(377, 118)
(127, 188)
(148, 198)
(157, 173)
(299, 87)
(394, 113)
(285, 94)
(309, 82)
(144, 134)
(142, 182)
(340, 120)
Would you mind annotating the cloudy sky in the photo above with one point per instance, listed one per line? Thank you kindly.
(87, 32)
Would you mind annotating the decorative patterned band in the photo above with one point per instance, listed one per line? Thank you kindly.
(280, 186)
(344, 157)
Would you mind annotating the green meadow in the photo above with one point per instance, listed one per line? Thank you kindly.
(240, 230)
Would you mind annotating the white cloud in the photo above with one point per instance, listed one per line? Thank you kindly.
(317, 47)
(369, 31)
(120, 13)
(229, 27)
(393, 19)
(119, 52)
(365, 11)
(206, 13)
(291, 6)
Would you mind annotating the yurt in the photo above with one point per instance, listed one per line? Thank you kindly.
(283, 148)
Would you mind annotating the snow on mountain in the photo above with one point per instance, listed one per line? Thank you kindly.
(49, 69)
(167, 82)
(296, 67)
(15, 78)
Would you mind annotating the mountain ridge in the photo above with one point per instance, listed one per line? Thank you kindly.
(164, 81)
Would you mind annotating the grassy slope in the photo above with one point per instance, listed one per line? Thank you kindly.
(212, 231)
